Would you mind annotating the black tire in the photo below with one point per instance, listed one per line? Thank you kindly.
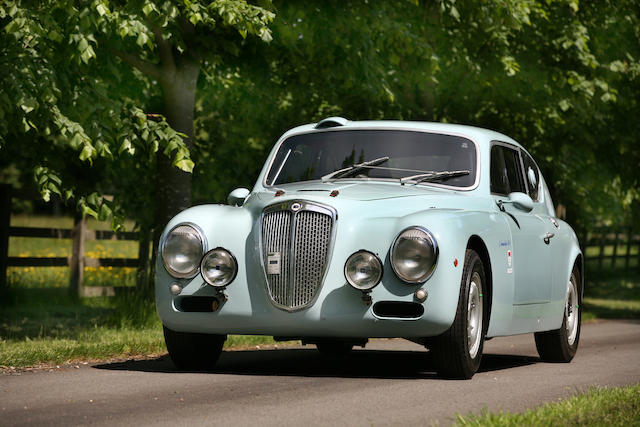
(561, 345)
(192, 351)
(331, 348)
(455, 354)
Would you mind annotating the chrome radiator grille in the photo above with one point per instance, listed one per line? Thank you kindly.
(296, 237)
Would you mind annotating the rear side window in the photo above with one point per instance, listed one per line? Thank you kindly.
(532, 176)
(506, 173)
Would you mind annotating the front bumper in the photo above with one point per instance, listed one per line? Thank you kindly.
(338, 311)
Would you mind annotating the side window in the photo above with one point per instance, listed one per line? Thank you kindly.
(532, 176)
(506, 173)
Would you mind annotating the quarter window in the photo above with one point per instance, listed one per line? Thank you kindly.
(506, 173)
(532, 176)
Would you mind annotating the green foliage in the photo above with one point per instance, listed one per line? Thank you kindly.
(46, 326)
(68, 101)
(611, 294)
(556, 76)
(601, 406)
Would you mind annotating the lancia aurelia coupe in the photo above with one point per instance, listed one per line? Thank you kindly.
(441, 234)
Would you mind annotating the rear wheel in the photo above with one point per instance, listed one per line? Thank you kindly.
(192, 351)
(457, 352)
(561, 344)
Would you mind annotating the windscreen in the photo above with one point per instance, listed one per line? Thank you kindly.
(377, 154)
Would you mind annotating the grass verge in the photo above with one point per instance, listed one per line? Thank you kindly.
(598, 407)
(45, 326)
(611, 294)
(40, 324)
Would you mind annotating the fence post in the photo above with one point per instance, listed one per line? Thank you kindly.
(638, 263)
(5, 222)
(143, 258)
(615, 249)
(603, 235)
(76, 266)
(628, 255)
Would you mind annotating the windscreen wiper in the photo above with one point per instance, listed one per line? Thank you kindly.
(343, 173)
(434, 176)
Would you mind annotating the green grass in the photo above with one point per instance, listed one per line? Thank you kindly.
(41, 324)
(58, 277)
(611, 294)
(46, 326)
(598, 407)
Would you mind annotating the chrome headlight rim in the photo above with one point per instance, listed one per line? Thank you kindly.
(204, 245)
(379, 261)
(235, 269)
(436, 253)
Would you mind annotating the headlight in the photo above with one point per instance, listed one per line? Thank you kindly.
(218, 267)
(414, 255)
(363, 270)
(182, 250)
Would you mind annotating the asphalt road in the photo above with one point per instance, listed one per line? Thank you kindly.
(391, 382)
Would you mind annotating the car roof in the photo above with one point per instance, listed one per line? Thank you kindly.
(480, 135)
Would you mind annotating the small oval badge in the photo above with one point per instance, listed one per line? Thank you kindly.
(296, 207)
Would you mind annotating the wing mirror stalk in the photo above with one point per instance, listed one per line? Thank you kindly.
(519, 200)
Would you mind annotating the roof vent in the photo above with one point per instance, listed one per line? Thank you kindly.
(331, 122)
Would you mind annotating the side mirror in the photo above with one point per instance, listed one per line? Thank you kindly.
(520, 201)
(237, 196)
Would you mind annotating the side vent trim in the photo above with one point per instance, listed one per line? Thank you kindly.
(331, 122)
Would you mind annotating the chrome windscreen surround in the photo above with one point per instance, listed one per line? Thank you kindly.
(296, 241)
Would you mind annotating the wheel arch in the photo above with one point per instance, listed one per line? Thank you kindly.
(579, 262)
(476, 243)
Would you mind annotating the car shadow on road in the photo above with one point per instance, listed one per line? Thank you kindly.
(379, 364)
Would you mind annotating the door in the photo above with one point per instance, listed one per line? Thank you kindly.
(529, 257)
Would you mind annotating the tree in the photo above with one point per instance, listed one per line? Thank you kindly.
(78, 79)
(67, 51)
(550, 74)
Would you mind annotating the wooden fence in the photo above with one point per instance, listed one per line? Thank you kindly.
(604, 247)
(611, 247)
(77, 261)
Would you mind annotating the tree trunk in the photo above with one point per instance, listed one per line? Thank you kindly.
(174, 186)
(173, 191)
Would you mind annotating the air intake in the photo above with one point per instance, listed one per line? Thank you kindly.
(398, 310)
(296, 241)
(331, 122)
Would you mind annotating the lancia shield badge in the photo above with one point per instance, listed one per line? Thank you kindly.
(273, 263)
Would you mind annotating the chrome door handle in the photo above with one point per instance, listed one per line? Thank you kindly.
(547, 237)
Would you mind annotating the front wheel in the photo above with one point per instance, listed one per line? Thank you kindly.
(192, 351)
(457, 352)
(561, 344)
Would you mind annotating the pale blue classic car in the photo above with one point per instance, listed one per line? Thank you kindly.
(441, 234)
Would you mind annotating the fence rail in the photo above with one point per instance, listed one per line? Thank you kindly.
(602, 246)
(614, 247)
(79, 234)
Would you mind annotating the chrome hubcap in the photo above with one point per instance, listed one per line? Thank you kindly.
(474, 315)
(571, 311)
